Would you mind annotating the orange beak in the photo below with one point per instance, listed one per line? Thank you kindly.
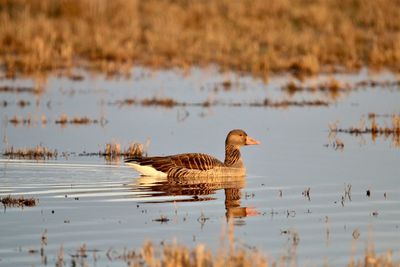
(251, 141)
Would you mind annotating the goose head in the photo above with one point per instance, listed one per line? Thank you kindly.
(238, 138)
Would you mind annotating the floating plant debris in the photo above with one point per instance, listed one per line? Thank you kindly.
(23, 103)
(287, 103)
(356, 234)
(154, 101)
(334, 86)
(10, 201)
(64, 119)
(76, 77)
(306, 193)
(375, 115)
(20, 103)
(164, 102)
(128, 101)
(38, 152)
(162, 219)
(375, 83)
(12, 89)
(336, 144)
(169, 103)
(227, 84)
(16, 120)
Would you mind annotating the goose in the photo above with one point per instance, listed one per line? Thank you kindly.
(197, 164)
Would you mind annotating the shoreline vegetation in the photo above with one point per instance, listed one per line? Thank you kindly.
(257, 37)
(230, 252)
(111, 152)
(11, 201)
(375, 130)
(175, 254)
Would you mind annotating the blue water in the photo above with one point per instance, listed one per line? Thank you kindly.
(86, 200)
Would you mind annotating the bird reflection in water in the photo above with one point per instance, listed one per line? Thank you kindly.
(163, 190)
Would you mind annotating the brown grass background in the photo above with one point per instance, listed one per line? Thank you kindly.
(258, 37)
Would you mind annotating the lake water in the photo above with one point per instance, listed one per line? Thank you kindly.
(108, 207)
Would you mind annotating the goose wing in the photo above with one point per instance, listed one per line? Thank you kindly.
(191, 161)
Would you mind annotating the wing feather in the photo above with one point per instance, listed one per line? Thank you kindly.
(191, 161)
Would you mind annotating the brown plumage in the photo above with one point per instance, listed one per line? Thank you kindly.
(197, 164)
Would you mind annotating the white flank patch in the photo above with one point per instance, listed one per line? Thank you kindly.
(146, 170)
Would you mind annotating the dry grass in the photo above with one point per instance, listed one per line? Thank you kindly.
(20, 103)
(371, 259)
(19, 120)
(10, 201)
(257, 37)
(374, 129)
(200, 256)
(170, 103)
(150, 102)
(64, 119)
(28, 121)
(334, 87)
(38, 152)
(287, 103)
(113, 150)
(179, 255)
(163, 102)
(229, 253)
(12, 89)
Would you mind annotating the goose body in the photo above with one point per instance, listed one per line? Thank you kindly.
(197, 164)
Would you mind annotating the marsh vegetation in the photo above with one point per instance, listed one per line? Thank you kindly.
(11, 201)
(260, 37)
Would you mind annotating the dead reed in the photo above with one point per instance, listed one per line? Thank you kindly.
(334, 87)
(23, 103)
(287, 103)
(374, 129)
(28, 121)
(163, 102)
(229, 253)
(11, 89)
(150, 102)
(257, 37)
(19, 120)
(64, 119)
(170, 103)
(20, 103)
(10, 201)
(180, 255)
(38, 152)
(113, 150)
(201, 256)
(372, 259)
